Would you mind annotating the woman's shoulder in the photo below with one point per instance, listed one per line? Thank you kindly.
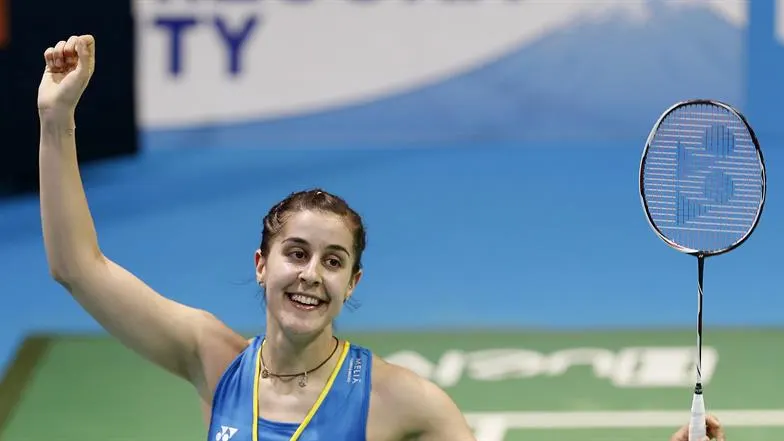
(394, 381)
(416, 404)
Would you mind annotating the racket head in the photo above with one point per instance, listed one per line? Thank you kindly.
(702, 178)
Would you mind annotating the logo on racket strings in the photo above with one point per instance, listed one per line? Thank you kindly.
(701, 177)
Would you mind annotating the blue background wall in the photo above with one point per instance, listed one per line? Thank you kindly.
(548, 231)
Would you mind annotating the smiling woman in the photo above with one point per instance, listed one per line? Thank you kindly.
(310, 259)
(308, 263)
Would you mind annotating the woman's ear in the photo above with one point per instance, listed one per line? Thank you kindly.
(261, 269)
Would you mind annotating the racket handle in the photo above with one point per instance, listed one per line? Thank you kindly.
(697, 429)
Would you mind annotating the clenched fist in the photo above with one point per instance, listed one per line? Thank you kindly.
(69, 66)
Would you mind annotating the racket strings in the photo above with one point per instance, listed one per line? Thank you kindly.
(702, 178)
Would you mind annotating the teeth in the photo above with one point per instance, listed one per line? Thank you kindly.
(305, 300)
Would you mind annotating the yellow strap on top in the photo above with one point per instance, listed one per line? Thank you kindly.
(313, 409)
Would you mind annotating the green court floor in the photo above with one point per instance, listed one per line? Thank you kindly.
(513, 386)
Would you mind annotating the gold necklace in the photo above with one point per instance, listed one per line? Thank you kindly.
(303, 377)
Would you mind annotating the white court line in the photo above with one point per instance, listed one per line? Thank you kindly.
(620, 419)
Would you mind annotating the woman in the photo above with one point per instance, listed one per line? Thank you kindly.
(298, 381)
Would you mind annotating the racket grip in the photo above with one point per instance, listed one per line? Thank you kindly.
(697, 429)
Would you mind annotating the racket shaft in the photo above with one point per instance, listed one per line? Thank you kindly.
(697, 429)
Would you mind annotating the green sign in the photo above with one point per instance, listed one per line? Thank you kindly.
(512, 386)
(605, 385)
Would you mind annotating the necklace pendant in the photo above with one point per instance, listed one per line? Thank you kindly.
(303, 381)
(264, 373)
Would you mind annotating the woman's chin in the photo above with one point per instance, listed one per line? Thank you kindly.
(303, 324)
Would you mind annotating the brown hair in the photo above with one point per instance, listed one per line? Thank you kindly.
(314, 199)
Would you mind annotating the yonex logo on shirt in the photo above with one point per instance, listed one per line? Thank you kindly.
(225, 433)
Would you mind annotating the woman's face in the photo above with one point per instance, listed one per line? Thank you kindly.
(307, 275)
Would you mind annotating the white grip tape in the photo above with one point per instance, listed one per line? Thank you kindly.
(697, 429)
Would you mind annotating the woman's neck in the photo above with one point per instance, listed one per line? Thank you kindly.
(286, 355)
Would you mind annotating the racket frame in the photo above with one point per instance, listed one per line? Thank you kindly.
(755, 141)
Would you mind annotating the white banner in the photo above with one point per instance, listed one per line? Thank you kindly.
(233, 60)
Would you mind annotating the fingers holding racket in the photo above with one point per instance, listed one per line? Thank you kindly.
(714, 431)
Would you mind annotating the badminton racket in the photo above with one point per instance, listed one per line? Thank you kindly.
(702, 184)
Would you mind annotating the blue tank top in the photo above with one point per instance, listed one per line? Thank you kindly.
(340, 413)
